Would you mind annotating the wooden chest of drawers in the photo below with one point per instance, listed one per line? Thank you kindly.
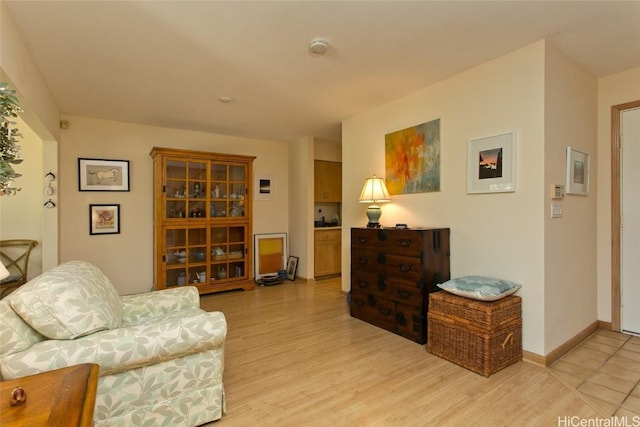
(392, 273)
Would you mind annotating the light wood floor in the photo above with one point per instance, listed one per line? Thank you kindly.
(294, 357)
(606, 370)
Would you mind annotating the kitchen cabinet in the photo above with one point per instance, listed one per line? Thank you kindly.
(327, 182)
(327, 252)
(202, 220)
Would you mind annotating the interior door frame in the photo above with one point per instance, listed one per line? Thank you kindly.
(616, 208)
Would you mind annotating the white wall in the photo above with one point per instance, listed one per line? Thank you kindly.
(500, 235)
(301, 204)
(40, 111)
(330, 151)
(127, 258)
(613, 90)
(41, 115)
(570, 242)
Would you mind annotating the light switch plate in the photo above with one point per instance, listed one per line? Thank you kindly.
(556, 210)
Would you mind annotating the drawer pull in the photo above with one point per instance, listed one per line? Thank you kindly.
(382, 235)
(404, 294)
(436, 241)
(404, 268)
(404, 242)
(385, 311)
(362, 239)
(362, 284)
(381, 284)
(400, 319)
(371, 300)
(362, 261)
(382, 258)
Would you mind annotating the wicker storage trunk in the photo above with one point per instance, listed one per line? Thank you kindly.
(483, 337)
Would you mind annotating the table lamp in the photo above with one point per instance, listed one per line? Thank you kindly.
(374, 191)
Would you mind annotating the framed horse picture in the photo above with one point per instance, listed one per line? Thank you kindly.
(103, 175)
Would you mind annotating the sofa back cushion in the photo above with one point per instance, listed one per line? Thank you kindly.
(15, 334)
(69, 301)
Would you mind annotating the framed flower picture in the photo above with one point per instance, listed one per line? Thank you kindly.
(104, 219)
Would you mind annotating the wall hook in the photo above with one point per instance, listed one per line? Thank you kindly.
(50, 204)
(50, 176)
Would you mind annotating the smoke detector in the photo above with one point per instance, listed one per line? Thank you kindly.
(318, 46)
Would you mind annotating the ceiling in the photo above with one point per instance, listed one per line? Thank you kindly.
(167, 63)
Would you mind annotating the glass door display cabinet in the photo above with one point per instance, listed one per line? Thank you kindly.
(202, 220)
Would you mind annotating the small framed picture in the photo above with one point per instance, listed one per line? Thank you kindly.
(104, 219)
(265, 187)
(103, 175)
(292, 267)
(491, 164)
(578, 171)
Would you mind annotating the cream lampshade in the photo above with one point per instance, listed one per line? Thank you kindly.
(374, 191)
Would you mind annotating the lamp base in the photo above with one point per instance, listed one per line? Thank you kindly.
(373, 213)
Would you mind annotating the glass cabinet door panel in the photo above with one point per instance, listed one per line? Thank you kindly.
(236, 208)
(177, 277)
(236, 251)
(237, 234)
(176, 169)
(237, 173)
(218, 172)
(197, 236)
(218, 190)
(175, 208)
(236, 270)
(197, 209)
(175, 237)
(218, 235)
(218, 209)
(197, 171)
(197, 189)
(175, 179)
(174, 189)
(237, 190)
(175, 257)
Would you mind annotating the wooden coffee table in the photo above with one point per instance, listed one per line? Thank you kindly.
(64, 397)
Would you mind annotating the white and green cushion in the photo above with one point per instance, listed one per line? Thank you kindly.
(480, 287)
(15, 334)
(139, 308)
(69, 301)
(123, 349)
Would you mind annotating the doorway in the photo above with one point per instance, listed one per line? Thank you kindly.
(630, 230)
(624, 251)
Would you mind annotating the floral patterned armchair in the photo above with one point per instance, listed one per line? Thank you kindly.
(161, 357)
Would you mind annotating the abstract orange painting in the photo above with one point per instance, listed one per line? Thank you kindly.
(412, 159)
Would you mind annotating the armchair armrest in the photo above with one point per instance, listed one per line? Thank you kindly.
(122, 349)
(140, 307)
